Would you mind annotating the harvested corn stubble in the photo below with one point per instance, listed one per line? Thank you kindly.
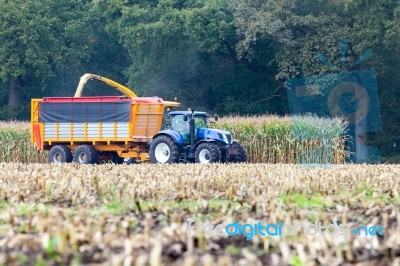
(138, 214)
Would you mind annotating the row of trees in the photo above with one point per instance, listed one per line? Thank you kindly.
(224, 56)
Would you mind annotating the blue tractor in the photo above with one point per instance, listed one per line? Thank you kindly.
(187, 138)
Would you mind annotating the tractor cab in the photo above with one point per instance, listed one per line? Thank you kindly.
(179, 121)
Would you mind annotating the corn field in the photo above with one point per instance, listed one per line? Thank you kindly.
(302, 139)
(107, 214)
(267, 139)
(15, 144)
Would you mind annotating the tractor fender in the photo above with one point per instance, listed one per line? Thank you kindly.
(204, 141)
(172, 134)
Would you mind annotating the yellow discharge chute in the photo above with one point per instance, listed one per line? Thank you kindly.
(125, 90)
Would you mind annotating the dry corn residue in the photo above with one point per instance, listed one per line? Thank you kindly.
(137, 214)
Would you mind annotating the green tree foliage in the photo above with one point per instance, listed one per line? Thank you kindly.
(47, 45)
(37, 37)
(299, 29)
(377, 25)
(187, 49)
(303, 30)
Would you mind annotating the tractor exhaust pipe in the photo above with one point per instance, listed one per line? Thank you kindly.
(191, 128)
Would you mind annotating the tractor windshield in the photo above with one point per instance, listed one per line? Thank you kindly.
(180, 125)
(200, 121)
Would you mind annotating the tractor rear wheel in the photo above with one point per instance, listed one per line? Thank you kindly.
(85, 154)
(241, 157)
(164, 150)
(60, 154)
(208, 153)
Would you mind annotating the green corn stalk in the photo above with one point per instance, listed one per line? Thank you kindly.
(15, 144)
(272, 139)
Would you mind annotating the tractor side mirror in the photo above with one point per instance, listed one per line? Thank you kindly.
(216, 118)
(185, 118)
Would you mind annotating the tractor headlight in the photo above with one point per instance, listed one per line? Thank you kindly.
(225, 138)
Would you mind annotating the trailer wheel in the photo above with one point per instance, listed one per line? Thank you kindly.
(60, 154)
(129, 161)
(85, 154)
(164, 150)
(116, 159)
(241, 157)
(208, 153)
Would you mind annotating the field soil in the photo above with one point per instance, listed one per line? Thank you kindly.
(138, 214)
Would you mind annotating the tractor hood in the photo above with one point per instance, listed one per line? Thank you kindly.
(216, 134)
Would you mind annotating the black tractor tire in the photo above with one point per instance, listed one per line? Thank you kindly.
(163, 149)
(239, 158)
(60, 154)
(223, 154)
(207, 153)
(86, 154)
(116, 159)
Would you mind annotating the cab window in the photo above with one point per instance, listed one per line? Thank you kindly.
(200, 121)
(179, 124)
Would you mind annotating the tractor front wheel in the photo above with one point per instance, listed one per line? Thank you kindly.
(60, 154)
(164, 150)
(240, 156)
(85, 154)
(208, 153)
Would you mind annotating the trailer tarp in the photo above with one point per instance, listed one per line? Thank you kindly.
(84, 112)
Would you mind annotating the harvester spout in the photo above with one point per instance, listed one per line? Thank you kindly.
(125, 90)
(81, 84)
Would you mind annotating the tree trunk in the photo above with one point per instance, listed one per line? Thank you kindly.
(14, 92)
